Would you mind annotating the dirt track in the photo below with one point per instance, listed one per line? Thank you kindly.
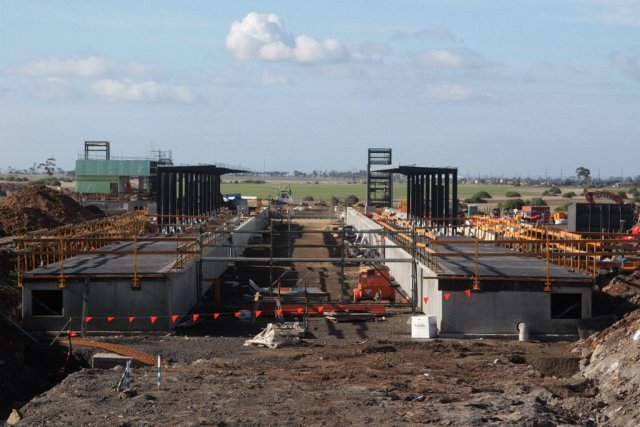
(344, 374)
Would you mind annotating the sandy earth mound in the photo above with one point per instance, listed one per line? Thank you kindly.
(36, 207)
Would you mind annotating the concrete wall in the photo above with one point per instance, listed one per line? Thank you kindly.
(481, 313)
(105, 298)
(500, 312)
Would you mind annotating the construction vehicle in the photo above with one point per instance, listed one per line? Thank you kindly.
(375, 283)
(592, 195)
(535, 214)
(560, 218)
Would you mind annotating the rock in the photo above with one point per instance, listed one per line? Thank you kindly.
(14, 417)
(516, 359)
(127, 393)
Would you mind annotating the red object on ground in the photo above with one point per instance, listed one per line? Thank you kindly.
(374, 283)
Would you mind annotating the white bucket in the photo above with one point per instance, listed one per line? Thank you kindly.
(424, 326)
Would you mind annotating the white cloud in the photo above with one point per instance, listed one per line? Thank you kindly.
(263, 37)
(450, 58)
(90, 66)
(149, 91)
(439, 34)
(629, 65)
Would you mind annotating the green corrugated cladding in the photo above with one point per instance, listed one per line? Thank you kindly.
(96, 176)
(113, 167)
(87, 184)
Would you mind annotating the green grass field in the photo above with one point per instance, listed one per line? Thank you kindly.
(324, 191)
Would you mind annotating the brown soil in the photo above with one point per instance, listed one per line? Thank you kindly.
(343, 374)
(36, 207)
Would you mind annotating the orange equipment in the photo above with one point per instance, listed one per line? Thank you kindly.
(591, 195)
(374, 283)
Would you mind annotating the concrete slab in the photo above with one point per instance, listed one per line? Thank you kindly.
(115, 264)
(509, 265)
(109, 360)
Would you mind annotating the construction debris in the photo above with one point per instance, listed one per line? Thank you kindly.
(345, 316)
(278, 335)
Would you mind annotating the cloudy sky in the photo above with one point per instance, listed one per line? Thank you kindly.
(513, 87)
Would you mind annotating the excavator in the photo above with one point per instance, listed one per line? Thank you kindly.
(600, 194)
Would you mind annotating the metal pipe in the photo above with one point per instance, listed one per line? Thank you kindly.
(523, 332)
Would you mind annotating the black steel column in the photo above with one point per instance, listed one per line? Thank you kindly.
(454, 195)
(447, 212)
(172, 197)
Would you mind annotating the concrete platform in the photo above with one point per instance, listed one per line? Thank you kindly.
(509, 265)
(512, 288)
(103, 285)
(115, 264)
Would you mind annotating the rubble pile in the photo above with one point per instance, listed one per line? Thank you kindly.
(610, 357)
(611, 360)
(36, 207)
(626, 287)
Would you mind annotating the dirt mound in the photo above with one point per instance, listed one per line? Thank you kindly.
(613, 364)
(36, 207)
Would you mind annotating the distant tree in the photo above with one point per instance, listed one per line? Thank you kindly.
(562, 208)
(583, 173)
(475, 199)
(623, 195)
(308, 198)
(512, 194)
(483, 195)
(351, 199)
(553, 191)
(569, 195)
(511, 204)
(49, 166)
(537, 201)
(634, 191)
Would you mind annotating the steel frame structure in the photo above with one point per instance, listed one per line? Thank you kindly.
(379, 183)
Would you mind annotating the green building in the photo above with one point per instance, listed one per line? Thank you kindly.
(98, 173)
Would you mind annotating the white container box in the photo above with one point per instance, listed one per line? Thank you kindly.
(424, 326)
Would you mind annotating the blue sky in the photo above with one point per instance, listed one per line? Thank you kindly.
(504, 87)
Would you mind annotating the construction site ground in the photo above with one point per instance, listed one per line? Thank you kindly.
(342, 374)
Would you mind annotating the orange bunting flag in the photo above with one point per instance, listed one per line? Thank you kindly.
(404, 301)
(279, 311)
(72, 334)
(425, 299)
(174, 318)
(153, 319)
(195, 317)
(237, 314)
(320, 309)
(299, 310)
(88, 319)
(258, 313)
(468, 292)
(110, 318)
(216, 315)
(447, 296)
(132, 318)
